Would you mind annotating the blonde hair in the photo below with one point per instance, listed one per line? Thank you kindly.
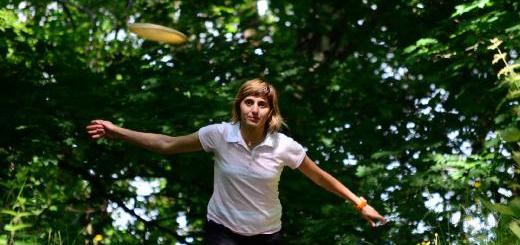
(260, 87)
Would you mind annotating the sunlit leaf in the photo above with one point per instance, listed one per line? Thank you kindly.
(516, 156)
(500, 208)
(498, 57)
(16, 227)
(382, 154)
(9, 212)
(465, 8)
(426, 41)
(510, 134)
(495, 42)
(515, 227)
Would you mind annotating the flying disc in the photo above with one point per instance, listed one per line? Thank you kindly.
(157, 33)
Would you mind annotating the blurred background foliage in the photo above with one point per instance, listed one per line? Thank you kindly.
(406, 102)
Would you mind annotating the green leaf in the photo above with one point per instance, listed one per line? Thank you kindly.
(500, 118)
(362, 171)
(465, 8)
(503, 209)
(492, 142)
(511, 134)
(418, 181)
(16, 214)
(16, 227)
(515, 227)
(382, 154)
(409, 49)
(426, 41)
(370, 170)
(516, 156)
(515, 205)
(10, 212)
(515, 28)
(326, 141)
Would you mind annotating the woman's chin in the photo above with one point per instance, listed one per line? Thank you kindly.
(253, 124)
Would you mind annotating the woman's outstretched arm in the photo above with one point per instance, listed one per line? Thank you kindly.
(159, 143)
(328, 182)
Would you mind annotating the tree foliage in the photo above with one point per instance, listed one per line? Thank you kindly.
(400, 100)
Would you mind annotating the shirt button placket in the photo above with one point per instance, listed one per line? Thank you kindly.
(252, 158)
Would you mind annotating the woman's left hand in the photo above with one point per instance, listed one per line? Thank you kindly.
(372, 216)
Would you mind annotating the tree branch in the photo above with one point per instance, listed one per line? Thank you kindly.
(100, 190)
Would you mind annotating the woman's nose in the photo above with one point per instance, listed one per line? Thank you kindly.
(255, 108)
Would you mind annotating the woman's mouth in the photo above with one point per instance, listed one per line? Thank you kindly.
(253, 119)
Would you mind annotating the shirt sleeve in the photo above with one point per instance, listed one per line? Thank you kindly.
(209, 136)
(294, 153)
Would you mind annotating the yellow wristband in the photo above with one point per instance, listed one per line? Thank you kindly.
(361, 204)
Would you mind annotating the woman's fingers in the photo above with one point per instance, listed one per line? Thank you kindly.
(95, 128)
(95, 125)
(382, 219)
(370, 221)
(97, 121)
(378, 220)
(97, 136)
(372, 216)
(96, 131)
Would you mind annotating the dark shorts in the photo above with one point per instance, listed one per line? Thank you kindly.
(217, 234)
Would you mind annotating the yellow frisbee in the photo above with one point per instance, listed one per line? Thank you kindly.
(157, 33)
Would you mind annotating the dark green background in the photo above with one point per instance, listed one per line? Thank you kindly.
(380, 82)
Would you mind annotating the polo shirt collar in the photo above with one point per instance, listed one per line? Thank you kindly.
(233, 135)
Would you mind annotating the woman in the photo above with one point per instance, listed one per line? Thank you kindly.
(250, 154)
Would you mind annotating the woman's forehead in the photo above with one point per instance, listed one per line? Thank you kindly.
(256, 97)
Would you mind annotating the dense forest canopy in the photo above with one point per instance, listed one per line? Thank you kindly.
(406, 102)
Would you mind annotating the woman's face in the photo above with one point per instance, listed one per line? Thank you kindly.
(254, 111)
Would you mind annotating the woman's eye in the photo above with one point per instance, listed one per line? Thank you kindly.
(248, 102)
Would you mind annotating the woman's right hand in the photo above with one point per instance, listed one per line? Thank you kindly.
(100, 128)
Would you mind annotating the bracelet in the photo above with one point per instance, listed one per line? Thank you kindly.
(361, 204)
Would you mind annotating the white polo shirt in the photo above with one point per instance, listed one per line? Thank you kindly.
(245, 190)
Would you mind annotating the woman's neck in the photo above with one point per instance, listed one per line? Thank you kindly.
(252, 136)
